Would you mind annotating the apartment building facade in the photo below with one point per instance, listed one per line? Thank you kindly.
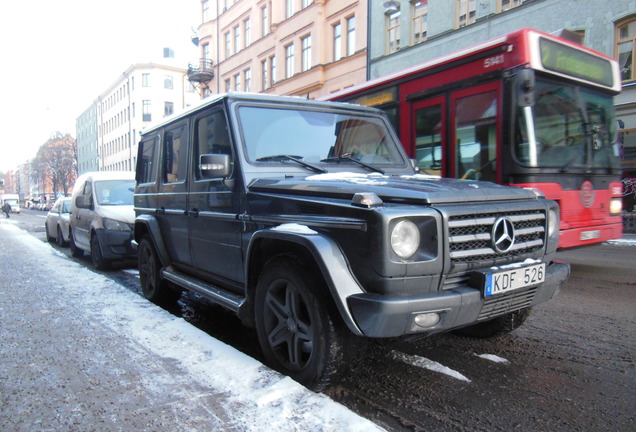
(108, 131)
(416, 31)
(308, 48)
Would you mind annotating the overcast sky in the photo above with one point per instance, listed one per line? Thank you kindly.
(59, 55)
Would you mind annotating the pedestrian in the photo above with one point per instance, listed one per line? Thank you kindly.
(6, 208)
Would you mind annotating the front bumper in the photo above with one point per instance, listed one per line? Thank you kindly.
(391, 316)
(116, 244)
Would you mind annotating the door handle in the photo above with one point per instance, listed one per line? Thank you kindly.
(194, 212)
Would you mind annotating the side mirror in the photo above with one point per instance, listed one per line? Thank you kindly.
(214, 165)
(80, 202)
(525, 87)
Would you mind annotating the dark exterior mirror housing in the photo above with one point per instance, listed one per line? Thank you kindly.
(214, 165)
(80, 202)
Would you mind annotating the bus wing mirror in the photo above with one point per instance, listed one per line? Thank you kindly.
(214, 165)
(525, 87)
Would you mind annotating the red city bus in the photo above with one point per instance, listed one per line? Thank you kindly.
(526, 109)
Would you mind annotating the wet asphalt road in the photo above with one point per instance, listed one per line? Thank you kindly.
(571, 367)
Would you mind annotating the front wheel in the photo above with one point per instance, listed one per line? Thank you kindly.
(154, 287)
(60, 237)
(298, 331)
(99, 262)
(497, 326)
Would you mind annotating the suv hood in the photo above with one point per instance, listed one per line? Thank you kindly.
(415, 189)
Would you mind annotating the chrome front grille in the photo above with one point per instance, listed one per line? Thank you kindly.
(470, 236)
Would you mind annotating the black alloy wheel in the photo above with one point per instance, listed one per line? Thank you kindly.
(153, 286)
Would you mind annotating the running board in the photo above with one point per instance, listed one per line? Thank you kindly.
(217, 295)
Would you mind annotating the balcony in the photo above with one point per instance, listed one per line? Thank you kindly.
(201, 73)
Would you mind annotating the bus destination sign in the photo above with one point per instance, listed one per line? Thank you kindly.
(570, 61)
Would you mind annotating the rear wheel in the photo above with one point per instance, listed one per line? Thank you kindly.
(154, 287)
(76, 252)
(99, 262)
(299, 333)
(496, 327)
(60, 237)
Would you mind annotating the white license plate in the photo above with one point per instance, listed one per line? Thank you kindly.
(590, 235)
(510, 280)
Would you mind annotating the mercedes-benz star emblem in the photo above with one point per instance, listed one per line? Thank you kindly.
(503, 234)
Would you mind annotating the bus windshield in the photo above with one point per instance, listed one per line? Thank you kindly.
(568, 127)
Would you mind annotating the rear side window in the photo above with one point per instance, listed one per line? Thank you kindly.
(175, 154)
(146, 170)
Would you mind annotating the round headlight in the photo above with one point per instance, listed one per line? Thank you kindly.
(405, 239)
(553, 222)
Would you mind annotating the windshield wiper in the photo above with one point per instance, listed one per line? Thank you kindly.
(293, 158)
(349, 158)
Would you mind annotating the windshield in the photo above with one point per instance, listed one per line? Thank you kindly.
(314, 137)
(115, 192)
(573, 128)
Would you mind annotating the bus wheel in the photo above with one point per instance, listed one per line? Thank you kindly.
(496, 327)
(296, 328)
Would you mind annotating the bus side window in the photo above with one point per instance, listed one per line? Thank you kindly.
(428, 139)
(476, 136)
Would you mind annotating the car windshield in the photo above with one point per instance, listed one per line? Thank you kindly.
(573, 128)
(278, 135)
(115, 192)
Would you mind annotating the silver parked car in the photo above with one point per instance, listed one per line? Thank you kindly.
(58, 222)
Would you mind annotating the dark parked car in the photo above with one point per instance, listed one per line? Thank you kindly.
(309, 221)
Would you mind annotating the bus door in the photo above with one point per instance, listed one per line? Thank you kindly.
(474, 122)
(429, 135)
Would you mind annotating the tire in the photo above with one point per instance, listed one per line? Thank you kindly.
(298, 330)
(48, 236)
(496, 327)
(99, 262)
(75, 251)
(60, 238)
(153, 286)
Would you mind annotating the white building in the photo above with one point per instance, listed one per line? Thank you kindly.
(144, 94)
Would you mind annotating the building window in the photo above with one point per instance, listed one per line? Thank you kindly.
(237, 82)
(337, 42)
(625, 47)
(505, 5)
(246, 32)
(206, 55)
(393, 32)
(228, 45)
(237, 39)
(248, 79)
(206, 10)
(272, 70)
(466, 12)
(228, 86)
(420, 20)
(289, 8)
(168, 109)
(147, 116)
(264, 21)
(145, 80)
(306, 53)
(167, 82)
(351, 35)
(289, 61)
(264, 67)
(306, 3)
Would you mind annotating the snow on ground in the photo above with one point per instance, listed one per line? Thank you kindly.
(257, 398)
(622, 242)
(425, 363)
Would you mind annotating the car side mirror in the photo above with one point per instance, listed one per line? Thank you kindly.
(80, 202)
(214, 165)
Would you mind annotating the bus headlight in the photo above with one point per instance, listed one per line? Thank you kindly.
(405, 239)
(616, 206)
(553, 222)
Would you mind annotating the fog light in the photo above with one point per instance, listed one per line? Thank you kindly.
(426, 320)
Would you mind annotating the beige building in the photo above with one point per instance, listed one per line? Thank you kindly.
(288, 47)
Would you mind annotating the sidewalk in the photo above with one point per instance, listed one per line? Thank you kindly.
(81, 353)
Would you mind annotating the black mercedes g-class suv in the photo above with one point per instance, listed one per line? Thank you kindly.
(308, 220)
